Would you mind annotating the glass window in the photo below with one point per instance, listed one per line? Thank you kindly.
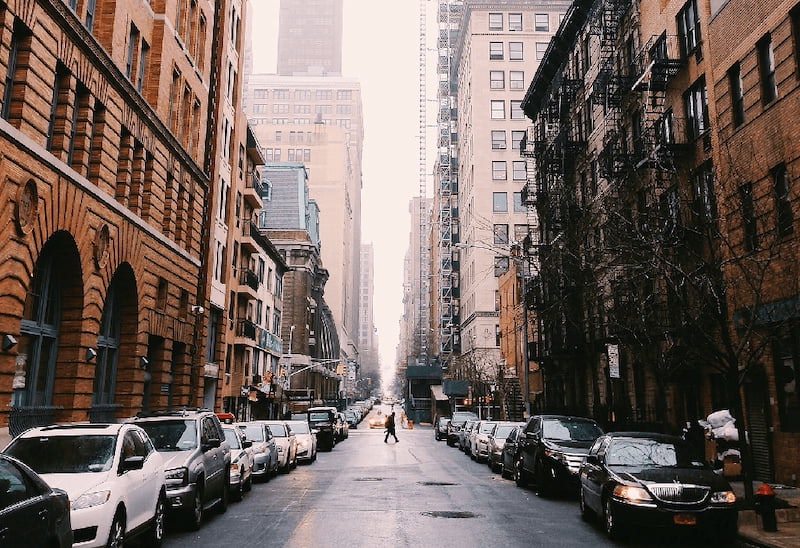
(499, 202)
(783, 204)
(688, 22)
(497, 79)
(495, 21)
(514, 21)
(541, 22)
(516, 139)
(516, 79)
(501, 234)
(498, 110)
(766, 69)
(736, 94)
(496, 51)
(519, 207)
(541, 49)
(748, 217)
(516, 110)
(519, 170)
(499, 170)
(696, 109)
(515, 51)
(498, 139)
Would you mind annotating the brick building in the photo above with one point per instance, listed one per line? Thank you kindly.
(103, 128)
(662, 174)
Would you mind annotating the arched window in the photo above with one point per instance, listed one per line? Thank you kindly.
(39, 329)
(108, 348)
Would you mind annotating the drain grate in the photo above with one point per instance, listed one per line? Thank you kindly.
(450, 514)
(436, 483)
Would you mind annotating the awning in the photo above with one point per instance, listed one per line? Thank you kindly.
(438, 392)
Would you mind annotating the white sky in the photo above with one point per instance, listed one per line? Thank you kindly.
(381, 50)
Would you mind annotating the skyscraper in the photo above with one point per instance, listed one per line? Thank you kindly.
(310, 37)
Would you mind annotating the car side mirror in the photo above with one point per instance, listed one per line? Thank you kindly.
(247, 443)
(132, 463)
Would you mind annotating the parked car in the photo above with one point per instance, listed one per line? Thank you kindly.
(306, 441)
(352, 418)
(342, 427)
(32, 513)
(323, 422)
(112, 473)
(457, 422)
(197, 460)
(552, 450)
(286, 442)
(510, 453)
(265, 452)
(497, 440)
(440, 428)
(377, 420)
(652, 480)
(479, 440)
(463, 435)
(242, 456)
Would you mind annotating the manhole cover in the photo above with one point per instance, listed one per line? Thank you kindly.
(436, 483)
(369, 479)
(449, 514)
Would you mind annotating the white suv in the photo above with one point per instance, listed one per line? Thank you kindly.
(112, 473)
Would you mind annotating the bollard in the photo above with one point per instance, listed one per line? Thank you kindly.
(765, 505)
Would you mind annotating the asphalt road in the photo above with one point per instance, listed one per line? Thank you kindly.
(418, 492)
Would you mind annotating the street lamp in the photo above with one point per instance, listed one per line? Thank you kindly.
(524, 338)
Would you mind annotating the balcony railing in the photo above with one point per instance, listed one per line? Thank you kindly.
(246, 329)
(249, 278)
(659, 60)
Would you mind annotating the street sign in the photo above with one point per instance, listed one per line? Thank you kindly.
(613, 360)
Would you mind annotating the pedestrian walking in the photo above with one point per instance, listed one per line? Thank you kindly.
(390, 429)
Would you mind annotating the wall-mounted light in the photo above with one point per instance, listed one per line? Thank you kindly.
(91, 354)
(197, 309)
(9, 341)
(143, 362)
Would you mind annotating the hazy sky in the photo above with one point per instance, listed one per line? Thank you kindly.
(381, 50)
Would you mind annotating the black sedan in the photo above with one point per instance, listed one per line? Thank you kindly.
(31, 512)
(651, 480)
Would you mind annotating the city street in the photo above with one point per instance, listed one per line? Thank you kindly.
(418, 492)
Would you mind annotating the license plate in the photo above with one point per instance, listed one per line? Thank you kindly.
(684, 519)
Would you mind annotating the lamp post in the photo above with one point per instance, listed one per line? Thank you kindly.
(520, 261)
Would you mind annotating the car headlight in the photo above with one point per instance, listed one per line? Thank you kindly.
(176, 476)
(556, 455)
(723, 497)
(631, 493)
(87, 500)
(235, 472)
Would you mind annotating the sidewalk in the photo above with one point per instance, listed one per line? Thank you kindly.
(787, 516)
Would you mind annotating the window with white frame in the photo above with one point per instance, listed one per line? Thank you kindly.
(541, 49)
(515, 21)
(498, 139)
(497, 79)
(496, 51)
(516, 79)
(515, 51)
(541, 22)
(499, 170)
(498, 110)
(495, 21)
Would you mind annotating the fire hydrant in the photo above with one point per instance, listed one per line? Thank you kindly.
(765, 506)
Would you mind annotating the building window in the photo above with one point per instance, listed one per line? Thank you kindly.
(794, 13)
(500, 266)
(495, 21)
(59, 109)
(785, 352)
(516, 139)
(705, 206)
(133, 41)
(498, 139)
(766, 69)
(515, 21)
(783, 204)
(516, 110)
(519, 207)
(496, 51)
(108, 347)
(696, 107)
(144, 52)
(516, 79)
(17, 73)
(497, 79)
(499, 202)
(515, 51)
(500, 234)
(499, 170)
(519, 171)
(541, 49)
(89, 19)
(498, 110)
(688, 22)
(541, 22)
(749, 229)
(737, 94)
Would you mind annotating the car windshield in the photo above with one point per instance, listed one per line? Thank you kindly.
(65, 454)
(300, 427)
(232, 438)
(487, 427)
(278, 430)
(502, 431)
(567, 429)
(175, 435)
(252, 432)
(649, 452)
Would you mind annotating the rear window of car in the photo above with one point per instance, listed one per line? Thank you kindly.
(502, 431)
(232, 438)
(172, 435)
(566, 429)
(278, 430)
(252, 432)
(319, 417)
(300, 427)
(65, 454)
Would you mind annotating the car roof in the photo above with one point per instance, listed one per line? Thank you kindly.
(74, 429)
(176, 413)
(567, 417)
(644, 435)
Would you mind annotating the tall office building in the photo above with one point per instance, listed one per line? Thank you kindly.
(310, 37)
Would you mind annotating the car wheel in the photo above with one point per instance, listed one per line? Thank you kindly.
(224, 498)
(503, 472)
(586, 514)
(248, 485)
(238, 491)
(196, 514)
(544, 483)
(156, 535)
(519, 474)
(116, 536)
(612, 526)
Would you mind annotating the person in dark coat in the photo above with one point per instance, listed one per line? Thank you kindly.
(390, 429)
